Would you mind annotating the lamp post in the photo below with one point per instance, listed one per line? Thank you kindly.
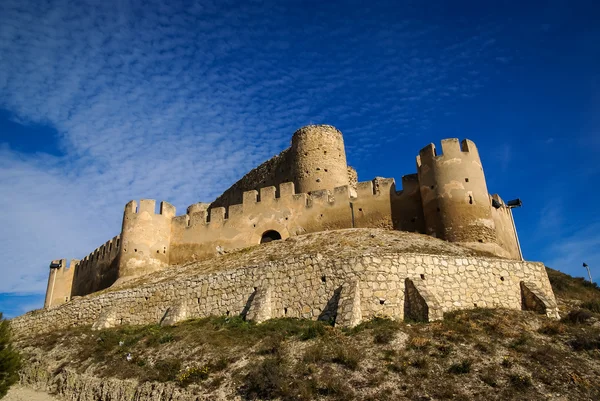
(588, 270)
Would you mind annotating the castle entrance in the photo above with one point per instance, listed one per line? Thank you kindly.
(269, 236)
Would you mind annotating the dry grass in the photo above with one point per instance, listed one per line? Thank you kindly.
(477, 354)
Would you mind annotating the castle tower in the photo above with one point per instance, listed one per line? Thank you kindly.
(145, 238)
(455, 199)
(318, 158)
(60, 282)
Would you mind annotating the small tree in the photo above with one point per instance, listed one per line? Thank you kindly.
(10, 361)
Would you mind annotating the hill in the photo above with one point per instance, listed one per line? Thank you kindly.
(493, 354)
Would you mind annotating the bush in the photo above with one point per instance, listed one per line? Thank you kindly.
(461, 368)
(346, 355)
(552, 329)
(577, 316)
(267, 380)
(383, 335)
(10, 361)
(585, 342)
(520, 382)
(593, 306)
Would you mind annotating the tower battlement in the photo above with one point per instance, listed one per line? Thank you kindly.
(452, 151)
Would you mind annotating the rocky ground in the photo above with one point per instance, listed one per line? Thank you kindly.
(20, 393)
(480, 354)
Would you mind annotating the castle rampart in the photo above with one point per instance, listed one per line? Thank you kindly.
(98, 270)
(446, 198)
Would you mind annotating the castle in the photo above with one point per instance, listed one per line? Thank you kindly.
(307, 188)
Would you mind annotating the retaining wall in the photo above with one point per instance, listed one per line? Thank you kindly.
(314, 287)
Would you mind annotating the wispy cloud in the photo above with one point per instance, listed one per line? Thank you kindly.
(177, 102)
(570, 252)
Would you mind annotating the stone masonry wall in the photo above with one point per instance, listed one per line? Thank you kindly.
(309, 287)
(98, 270)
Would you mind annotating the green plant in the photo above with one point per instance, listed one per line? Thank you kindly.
(314, 329)
(585, 342)
(267, 380)
(490, 377)
(10, 360)
(419, 363)
(552, 329)
(384, 335)
(167, 369)
(520, 382)
(346, 355)
(506, 363)
(577, 316)
(593, 305)
(193, 374)
(461, 367)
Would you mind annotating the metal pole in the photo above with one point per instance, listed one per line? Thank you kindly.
(588, 270)
(516, 235)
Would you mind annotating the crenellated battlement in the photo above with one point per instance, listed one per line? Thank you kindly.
(149, 206)
(200, 214)
(452, 149)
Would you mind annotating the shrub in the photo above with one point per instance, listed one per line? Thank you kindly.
(10, 360)
(506, 363)
(490, 377)
(346, 355)
(418, 343)
(193, 374)
(585, 342)
(577, 316)
(593, 306)
(419, 363)
(520, 382)
(552, 329)
(461, 368)
(314, 354)
(383, 335)
(520, 342)
(314, 330)
(267, 380)
(167, 369)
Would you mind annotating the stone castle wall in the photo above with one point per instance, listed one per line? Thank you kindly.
(447, 198)
(346, 290)
(98, 270)
(203, 233)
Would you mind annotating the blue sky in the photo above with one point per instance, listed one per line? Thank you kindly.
(106, 101)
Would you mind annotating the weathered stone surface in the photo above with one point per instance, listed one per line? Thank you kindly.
(310, 287)
(308, 188)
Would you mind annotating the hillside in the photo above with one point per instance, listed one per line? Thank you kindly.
(470, 355)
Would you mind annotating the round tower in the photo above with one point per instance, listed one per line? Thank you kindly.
(318, 158)
(145, 238)
(456, 203)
